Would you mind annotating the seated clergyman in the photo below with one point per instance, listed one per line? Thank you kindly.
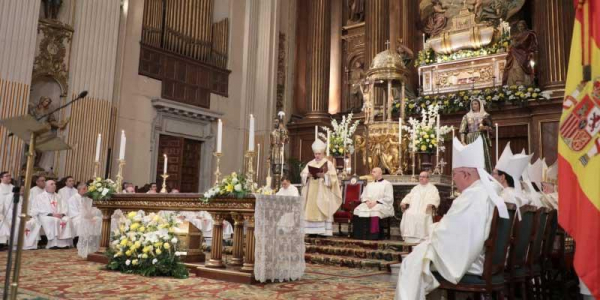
(52, 212)
(377, 203)
(287, 189)
(417, 208)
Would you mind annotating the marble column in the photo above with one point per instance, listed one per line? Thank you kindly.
(377, 28)
(553, 23)
(319, 55)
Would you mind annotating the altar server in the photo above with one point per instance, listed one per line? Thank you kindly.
(51, 211)
(417, 219)
(377, 204)
(321, 192)
(74, 207)
(456, 243)
(287, 189)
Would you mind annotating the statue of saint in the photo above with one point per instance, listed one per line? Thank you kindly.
(279, 138)
(518, 70)
(365, 89)
(407, 55)
(45, 160)
(356, 10)
(437, 20)
(357, 74)
(51, 8)
(477, 122)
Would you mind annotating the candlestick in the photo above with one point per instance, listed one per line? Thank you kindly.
(120, 176)
(251, 138)
(399, 171)
(258, 164)
(497, 143)
(165, 163)
(218, 168)
(96, 168)
(423, 41)
(164, 183)
(328, 135)
(122, 147)
(219, 136)
(282, 161)
(250, 169)
(98, 143)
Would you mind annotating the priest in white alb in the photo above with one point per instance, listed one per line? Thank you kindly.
(377, 204)
(52, 213)
(74, 207)
(40, 185)
(69, 189)
(287, 189)
(6, 203)
(456, 244)
(417, 218)
(321, 192)
(507, 172)
(532, 177)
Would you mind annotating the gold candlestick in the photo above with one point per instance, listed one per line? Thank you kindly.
(413, 177)
(96, 168)
(120, 176)
(218, 169)
(250, 169)
(164, 184)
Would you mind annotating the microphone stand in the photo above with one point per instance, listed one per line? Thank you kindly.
(13, 226)
(81, 96)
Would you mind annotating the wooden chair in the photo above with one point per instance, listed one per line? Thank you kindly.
(534, 255)
(547, 248)
(496, 246)
(522, 239)
(352, 189)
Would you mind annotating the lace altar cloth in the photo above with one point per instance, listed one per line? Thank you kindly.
(279, 238)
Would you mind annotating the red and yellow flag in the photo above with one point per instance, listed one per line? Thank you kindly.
(579, 145)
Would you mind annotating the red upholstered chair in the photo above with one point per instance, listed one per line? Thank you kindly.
(351, 191)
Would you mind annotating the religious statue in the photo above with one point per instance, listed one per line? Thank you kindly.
(406, 54)
(477, 122)
(518, 70)
(279, 138)
(437, 20)
(45, 160)
(356, 10)
(51, 8)
(360, 144)
(357, 74)
(365, 89)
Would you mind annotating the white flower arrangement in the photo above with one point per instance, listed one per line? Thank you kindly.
(423, 133)
(340, 140)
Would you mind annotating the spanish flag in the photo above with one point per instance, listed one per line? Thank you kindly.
(579, 145)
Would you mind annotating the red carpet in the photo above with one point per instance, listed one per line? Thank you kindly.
(61, 274)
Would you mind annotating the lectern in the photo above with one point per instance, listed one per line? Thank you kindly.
(40, 137)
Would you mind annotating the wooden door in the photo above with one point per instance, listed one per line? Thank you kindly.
(190, 168)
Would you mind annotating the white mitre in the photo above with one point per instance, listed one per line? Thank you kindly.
(513, 165)
(471, 156)
(318, 146)
(534, 173)
(549, 174)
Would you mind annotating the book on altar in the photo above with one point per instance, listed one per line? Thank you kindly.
(314, 171)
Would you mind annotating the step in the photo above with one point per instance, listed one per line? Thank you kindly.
(387, 255)
(398, 246)
(350, 262)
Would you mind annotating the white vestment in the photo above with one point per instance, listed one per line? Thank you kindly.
(66, 193)
(88, 225)
(455, 246)
(322, 198)
(34, 192)
(58, 230)
(510, 196)
(6, 202)
(74, 212)
(382, 192)
(416, 222)
(550, 200)
(290, 191)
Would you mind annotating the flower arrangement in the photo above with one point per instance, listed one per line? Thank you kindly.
(423, 133)
(233, 185)
(101, 189)
(146, 245)
(340, 140)
(459, 101)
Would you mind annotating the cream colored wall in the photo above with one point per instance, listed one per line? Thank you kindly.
(135, 111)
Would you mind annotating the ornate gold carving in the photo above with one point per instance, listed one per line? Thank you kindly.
(166, 203)
(52, 57)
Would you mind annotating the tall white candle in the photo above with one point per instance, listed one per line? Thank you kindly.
(219, 136)
(497, 142)
(98, 142)
(327, 142)
(251, 139)
(423, 41)
(400, 130)
(316, 132)
(122, 147)
(165, 163)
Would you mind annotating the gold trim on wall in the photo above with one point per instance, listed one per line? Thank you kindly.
(15, 99)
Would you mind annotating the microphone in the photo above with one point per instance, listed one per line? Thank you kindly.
(81, 96)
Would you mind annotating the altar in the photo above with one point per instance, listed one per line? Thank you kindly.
(268, 238)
